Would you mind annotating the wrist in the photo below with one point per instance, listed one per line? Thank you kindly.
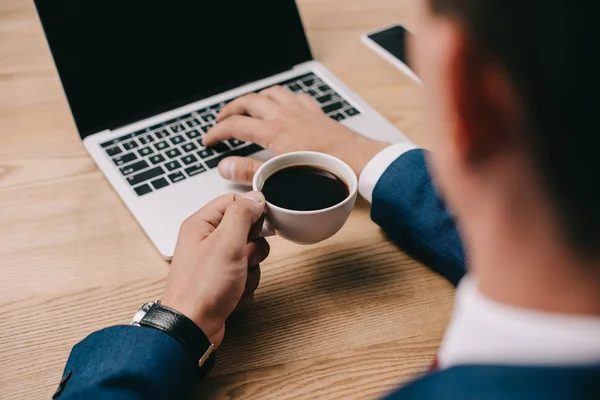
(213, 328)
(155, 315)
(359, 151)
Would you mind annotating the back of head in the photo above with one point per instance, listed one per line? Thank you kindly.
(551, 52)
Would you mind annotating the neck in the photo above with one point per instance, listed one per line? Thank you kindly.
(519, 258)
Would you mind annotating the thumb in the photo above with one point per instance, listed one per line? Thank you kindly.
(239, 169)
(239, 217)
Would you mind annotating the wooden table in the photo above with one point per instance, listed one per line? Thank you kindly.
(352, 317)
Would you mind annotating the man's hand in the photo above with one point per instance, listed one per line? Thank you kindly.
(215, 269)
(283, 122)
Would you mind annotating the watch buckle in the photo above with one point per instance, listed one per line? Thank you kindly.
(207, 354)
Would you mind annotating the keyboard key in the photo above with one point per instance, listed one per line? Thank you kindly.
(189, 159)
(160, 183)
(130, 145)
(156, 127)
(146, 151)
(176, 177)
(338, 117)
(143, 189)
(135, 167)
(206, 153)
(295, 88)
(324, 99)
(173, 153)
(111, 143)
(208, 117)
(177, 139)
(352, 112)
(173, 165)
(333, 107)
(189, 147)
(205, 128)
(124, 159)
(309, 81)
(243, 151)
(157, 159)
(195, 170)
(178, 127)
(220, 148)
(146, 139)
(161, 145)
(324, 88)
(311, 93)
(123, 138)
(144, 176)
(193, 134)
(217, 107)
(192, 122)
(235, 142)
(113, 151)
(163, 133)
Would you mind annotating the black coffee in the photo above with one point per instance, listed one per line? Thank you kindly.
(305, 188)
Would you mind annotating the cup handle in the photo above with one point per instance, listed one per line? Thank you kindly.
(267, 230)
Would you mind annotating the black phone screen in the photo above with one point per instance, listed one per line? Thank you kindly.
(394, 41)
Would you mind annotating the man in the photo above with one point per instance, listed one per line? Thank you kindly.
(512, 92)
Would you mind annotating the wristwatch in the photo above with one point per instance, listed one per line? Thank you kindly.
(184, 330)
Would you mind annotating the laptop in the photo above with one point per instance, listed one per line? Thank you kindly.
(145, 80)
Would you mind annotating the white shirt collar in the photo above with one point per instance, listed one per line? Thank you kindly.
(486, 332)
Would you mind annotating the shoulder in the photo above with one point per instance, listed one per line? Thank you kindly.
(503, 382)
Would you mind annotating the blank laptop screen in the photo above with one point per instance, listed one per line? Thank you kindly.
(122, 60)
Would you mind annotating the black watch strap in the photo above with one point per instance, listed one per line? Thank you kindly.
(183, 330)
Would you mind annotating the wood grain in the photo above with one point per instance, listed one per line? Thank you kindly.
(352, 317)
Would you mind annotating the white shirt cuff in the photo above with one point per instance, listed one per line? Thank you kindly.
(377, 166)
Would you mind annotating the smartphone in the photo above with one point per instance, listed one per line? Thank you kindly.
(391, 44)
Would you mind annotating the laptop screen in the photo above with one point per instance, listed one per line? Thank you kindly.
(123, 60)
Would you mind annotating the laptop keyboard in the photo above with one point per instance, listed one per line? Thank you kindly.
(167, 153)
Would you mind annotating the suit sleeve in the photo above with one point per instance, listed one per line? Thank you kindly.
(128, 362)
(408, 208)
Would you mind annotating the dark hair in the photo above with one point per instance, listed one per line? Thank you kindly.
(551, 52)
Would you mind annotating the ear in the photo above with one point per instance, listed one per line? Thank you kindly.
(485, 106)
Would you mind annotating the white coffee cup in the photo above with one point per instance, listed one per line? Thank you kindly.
(307, 227)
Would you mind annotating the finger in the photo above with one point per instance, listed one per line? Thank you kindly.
(258, 251)
(308, 103)
(281, 96)
(240, 127)
(252, 104)
(256, 229)
(244, 303)
(239, 217)
(239, 169)
(204, 221)
(252, 281)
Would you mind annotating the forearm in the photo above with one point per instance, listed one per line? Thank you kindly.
(128, 362)
(172, 341)
(408, 208)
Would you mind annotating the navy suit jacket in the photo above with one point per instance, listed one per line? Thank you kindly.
(126, 362)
